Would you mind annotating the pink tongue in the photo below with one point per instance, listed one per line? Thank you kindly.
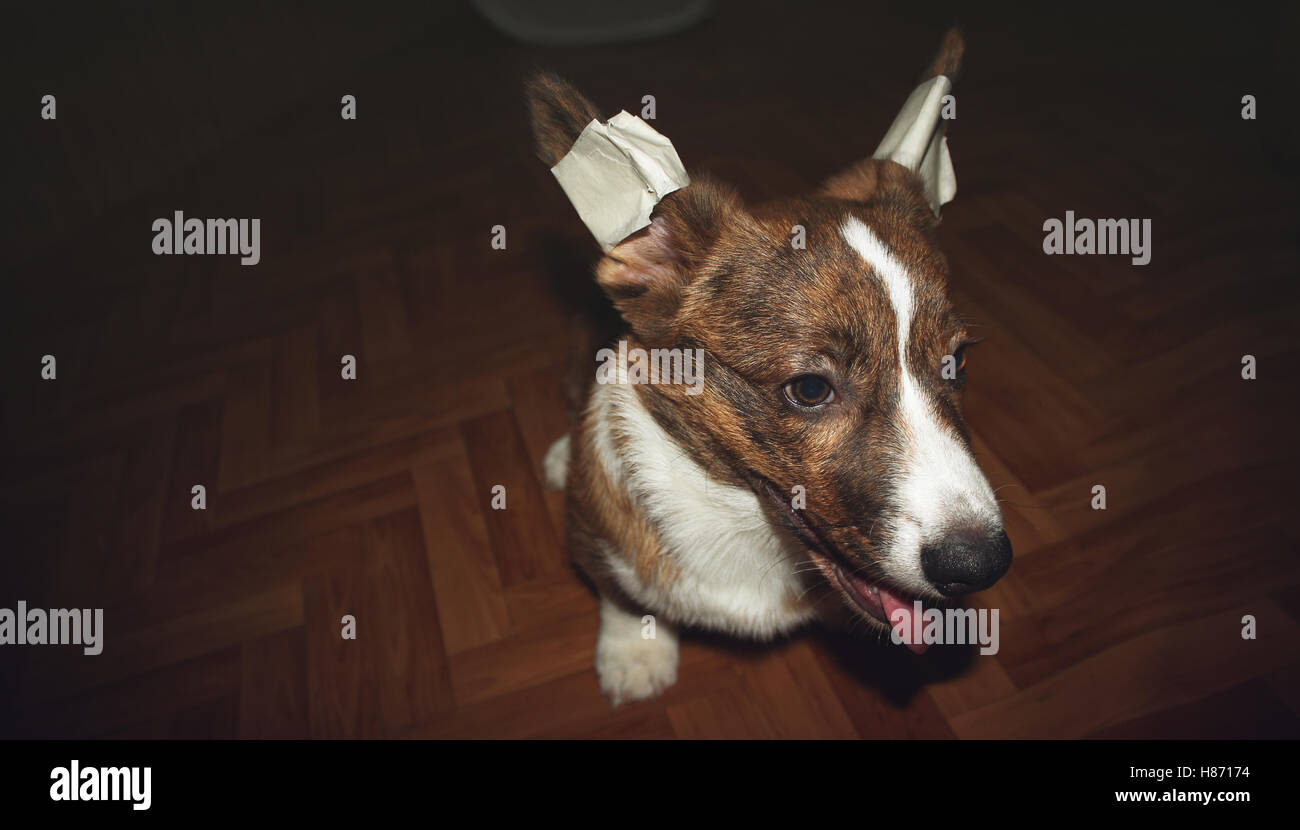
(893, 605)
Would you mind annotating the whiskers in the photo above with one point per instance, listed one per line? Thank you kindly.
(1018, 505)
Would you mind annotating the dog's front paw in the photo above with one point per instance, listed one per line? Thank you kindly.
(634, 661)
(555, 466)
(632, 670)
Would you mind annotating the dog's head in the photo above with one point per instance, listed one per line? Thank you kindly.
(836, 366)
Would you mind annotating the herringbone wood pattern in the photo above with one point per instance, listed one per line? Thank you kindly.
(371, 497)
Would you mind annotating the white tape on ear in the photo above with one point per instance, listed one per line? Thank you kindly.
(916, 141)
(616, 173)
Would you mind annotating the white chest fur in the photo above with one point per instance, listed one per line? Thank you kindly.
(737, 574)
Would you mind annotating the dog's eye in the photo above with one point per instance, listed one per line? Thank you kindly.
(808, 390)
(959, 358)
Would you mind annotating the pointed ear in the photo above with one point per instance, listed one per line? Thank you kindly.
(559, 115)
(646, 274)
(948, 60)
(916, 142)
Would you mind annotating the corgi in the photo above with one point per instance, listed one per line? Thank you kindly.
(822, 470)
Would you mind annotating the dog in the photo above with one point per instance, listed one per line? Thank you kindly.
(824, 470)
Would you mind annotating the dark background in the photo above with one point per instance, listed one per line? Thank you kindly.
(371, 497)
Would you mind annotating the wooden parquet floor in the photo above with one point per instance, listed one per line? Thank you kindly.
(371, 497)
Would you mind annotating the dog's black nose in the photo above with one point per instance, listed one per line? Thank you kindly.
(963, 563)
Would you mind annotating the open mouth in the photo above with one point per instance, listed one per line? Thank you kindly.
(877, 600)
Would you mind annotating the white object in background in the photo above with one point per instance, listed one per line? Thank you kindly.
(916, 141)
(616, 173)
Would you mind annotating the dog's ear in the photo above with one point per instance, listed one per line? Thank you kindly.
(559, 115)
(905, 174)
(948, 60)
(646, 273)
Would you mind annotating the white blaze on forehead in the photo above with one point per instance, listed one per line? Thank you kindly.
(939, 482)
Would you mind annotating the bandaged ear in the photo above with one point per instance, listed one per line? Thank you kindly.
(616, 173)
(916, 141)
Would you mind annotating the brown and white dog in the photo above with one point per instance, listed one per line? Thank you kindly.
(823, 371)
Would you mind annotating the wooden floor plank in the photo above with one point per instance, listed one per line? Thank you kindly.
(522, 535)
(1158, 670)
(472, 608)
(273, 686)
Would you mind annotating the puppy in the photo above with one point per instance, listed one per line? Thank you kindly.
(822, 469)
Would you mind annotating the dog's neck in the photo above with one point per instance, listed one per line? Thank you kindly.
(737, 572)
